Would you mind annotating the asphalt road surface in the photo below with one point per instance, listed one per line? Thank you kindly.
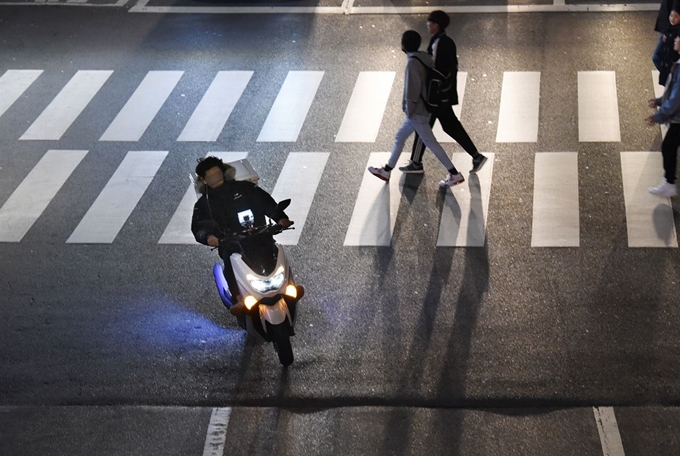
(122, 346)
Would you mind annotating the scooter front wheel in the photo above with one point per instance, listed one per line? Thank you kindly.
(281, 339)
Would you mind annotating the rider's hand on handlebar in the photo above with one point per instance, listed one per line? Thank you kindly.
(285, 223)
(213, 241)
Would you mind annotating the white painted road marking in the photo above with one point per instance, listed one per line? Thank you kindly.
(35, 192)
(13, 84)
(218, 102)
(178, 230)
(376, 207)
(649, 219)
(291, 106)
(518, 113)
(466, 206)
(67, 106)
(140, 110)
(115, 203)
(461, 83)
(217, 432)
(598, 107)
(298, 181)
(366, 107)
(556, 200)
(610, 438)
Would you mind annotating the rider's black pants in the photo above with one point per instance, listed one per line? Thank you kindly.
(229, 274)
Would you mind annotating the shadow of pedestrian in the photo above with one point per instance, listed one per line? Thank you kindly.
(664, 227)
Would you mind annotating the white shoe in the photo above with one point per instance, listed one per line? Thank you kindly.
(664, 190)
(380, 173)
(451, 180)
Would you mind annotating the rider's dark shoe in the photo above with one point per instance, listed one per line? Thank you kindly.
(239, 309)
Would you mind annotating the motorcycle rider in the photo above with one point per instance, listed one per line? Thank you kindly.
(216, 214)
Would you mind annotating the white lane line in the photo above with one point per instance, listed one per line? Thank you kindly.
(35, 192)
(13, 84)
(598, 107)
(178, 230)
(217, 432)
(658, 93)
(218, 102)
(115, 203)
(466, 206)
(348, 8)
(376, 207)
(461, 82)
(610, 438)
(366, 107)
(649, 219)
(556, 200)
(140, 110)
(298, 181)
(66, 106)
(291, 106)
(518, 114)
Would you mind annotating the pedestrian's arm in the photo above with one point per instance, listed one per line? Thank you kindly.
(414, 86)
(670, 107)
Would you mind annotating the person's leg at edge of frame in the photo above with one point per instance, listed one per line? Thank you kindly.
(669, 152)
(656, 56)
(400, 138)
(427, 136)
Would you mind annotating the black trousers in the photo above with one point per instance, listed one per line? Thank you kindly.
(452, 127)
(229, 273)
(669, 151)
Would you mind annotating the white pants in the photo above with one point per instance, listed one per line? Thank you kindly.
(421, 125)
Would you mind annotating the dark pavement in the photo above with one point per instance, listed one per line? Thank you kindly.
(412, 332)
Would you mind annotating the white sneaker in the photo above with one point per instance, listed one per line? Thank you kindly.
(451, 180)
(664, 190)
(380, 173)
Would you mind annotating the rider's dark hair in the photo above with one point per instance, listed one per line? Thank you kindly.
(204, 164)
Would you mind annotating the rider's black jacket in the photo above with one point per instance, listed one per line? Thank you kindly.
(216, 211)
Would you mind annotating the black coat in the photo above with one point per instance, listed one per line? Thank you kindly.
(446, 62)
(668, 55)
(662, 19)
(216, 211)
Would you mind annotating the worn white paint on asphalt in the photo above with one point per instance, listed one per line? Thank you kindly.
(598, 107)
(610, 438)
(366, 107)
(217, 432)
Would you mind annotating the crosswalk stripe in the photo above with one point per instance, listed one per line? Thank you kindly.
(298, 181)
(67, 106)
(13, 84)
(649, 219)
(461, 83)
(658, 93)
(178, 230)
(208, 119)
(376, 207)
(556, 200)
(518, 113)
(364, 113)
(291, 106)
(598, 107)
(36, 191)
(140, 110)
(466, 206)
(115, 203)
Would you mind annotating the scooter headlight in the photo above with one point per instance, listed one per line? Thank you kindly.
(267, 285)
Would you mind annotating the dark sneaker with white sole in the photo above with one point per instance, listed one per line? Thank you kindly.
(477, 163)
(412, 168)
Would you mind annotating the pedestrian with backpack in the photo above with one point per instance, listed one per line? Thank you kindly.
(443, 50)
(417, 117)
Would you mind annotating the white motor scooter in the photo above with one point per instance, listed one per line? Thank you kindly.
(264, 278)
